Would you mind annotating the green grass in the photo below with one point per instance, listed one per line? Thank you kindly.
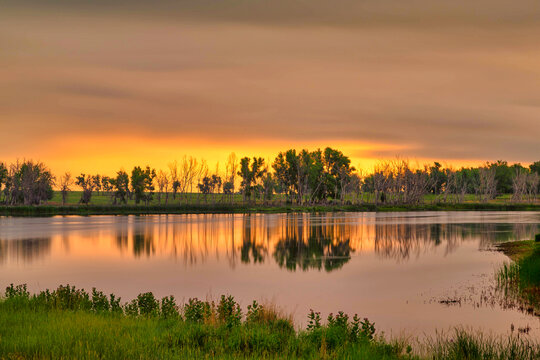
(100, 205)
(69, 323)
(103, 198)
(471, 346)
(521, 278)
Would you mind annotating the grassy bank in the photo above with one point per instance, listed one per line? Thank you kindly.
(70, 323)
(521, 278)
(49, 210)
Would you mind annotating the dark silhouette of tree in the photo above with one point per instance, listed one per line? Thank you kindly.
(121, 187)
(251, 173)
(65, 186)
(28, 183)
(209, 185)
(3, 177)
(437, 177)
(86, 182)
(142, 184)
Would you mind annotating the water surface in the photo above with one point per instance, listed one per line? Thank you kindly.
(393, 268)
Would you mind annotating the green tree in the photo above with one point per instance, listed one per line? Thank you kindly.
(210, 185)
(250, 172)
(86, 182)
(338, 169)
(28, 183)
(535, 167)
(3, 176)
(437, 178)
(142, 183)
(503, 175)
(120, 185)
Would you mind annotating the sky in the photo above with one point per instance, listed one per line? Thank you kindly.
(92, 86)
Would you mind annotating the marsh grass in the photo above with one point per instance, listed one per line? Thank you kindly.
(520, 280)
(471, 345)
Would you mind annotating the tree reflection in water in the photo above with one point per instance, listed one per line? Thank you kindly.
(24, 250)
(309, 243)
(320, 242)
(317, 253)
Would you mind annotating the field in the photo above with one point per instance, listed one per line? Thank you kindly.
(103, 198)
(101, 204)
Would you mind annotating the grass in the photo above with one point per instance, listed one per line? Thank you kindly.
(70, 323)
(521, 278)
(469, 345)
(101, 207)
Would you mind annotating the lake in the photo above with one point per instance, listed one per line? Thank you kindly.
(411, 273)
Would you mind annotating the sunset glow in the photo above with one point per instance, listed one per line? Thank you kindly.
(85, 88)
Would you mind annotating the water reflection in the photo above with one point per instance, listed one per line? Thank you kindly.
(24, 250)
(295, 242)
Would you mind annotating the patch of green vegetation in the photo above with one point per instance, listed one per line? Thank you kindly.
(522, 277)
(71, 323)
(475, 346)
(228, 208)
(517, 250)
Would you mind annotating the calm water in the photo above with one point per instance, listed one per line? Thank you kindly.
(393, 268)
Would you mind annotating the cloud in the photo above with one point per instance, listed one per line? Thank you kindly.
(407, 74)
(309, 13)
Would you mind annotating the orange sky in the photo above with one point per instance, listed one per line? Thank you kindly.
(97, 87)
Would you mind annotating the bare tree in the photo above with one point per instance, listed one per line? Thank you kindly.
(532, 186)
(162, 180)
(188, 173)
(87, 185)
(230, 175)
(66, 181)
(200, 173)
(487, 188)
(519, 185)
(174, 178)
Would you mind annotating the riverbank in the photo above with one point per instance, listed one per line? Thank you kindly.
(224, 208)
(521, 278)
(70, 323)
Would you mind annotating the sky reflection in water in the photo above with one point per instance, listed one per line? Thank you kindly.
(392, 268)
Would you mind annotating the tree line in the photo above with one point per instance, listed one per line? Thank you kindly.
(299, 177)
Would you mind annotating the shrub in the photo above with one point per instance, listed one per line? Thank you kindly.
(19, 291)
(169, 309)
(254, 313)
(99, 301)
(69, 298)
(229, 311)
(147, 303)
(197, 311)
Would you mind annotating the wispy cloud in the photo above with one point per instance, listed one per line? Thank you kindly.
(435, 79)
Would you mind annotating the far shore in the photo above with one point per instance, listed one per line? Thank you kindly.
(51, 210)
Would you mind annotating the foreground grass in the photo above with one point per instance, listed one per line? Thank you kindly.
(70, 323)
(521, 278)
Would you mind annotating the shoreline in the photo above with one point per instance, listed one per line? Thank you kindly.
(84, 210)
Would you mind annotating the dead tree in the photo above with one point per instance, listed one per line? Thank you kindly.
(66, 181)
